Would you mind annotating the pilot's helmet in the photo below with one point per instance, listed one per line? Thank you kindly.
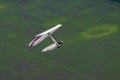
(62, 42)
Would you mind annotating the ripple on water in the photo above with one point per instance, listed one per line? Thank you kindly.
(2, 6)
(96, 32)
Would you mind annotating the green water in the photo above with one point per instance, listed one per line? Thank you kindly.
(90, 31)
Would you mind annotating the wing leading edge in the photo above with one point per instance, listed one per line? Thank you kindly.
(37, 40)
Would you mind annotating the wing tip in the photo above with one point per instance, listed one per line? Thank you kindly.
(60, 24)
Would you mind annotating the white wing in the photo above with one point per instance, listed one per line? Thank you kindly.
(50, 47)
(40, 37)
(37, 40)
(50, 31)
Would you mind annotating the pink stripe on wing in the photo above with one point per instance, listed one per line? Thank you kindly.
(34, 40)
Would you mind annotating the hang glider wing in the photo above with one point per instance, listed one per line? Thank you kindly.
(40, 37)
(50, 31)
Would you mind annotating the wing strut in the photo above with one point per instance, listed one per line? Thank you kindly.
(54, 41)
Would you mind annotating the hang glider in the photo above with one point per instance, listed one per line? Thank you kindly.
(42, 36)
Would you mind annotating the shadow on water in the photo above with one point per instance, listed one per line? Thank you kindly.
(115, 1)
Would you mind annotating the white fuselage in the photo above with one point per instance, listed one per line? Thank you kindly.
(40, 37)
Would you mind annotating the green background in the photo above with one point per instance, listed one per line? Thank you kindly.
(90, 31)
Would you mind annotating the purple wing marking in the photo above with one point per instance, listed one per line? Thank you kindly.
(34, 40)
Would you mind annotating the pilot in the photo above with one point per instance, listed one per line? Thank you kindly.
(59, 42)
